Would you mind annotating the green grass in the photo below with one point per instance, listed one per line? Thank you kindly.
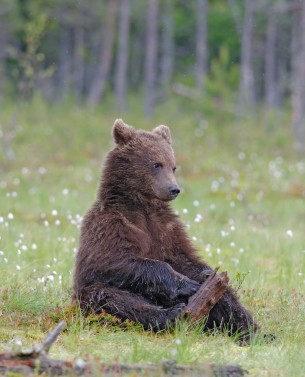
(242, 201)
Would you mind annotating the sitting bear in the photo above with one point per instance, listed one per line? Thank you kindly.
(135, 260)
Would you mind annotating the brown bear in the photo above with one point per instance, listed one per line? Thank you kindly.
(135, 260)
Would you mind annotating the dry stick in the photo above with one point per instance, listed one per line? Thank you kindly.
(206, 297)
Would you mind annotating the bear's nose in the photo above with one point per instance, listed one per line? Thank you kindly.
(174, 190)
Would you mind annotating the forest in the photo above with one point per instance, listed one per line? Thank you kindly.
(228, 78)
(243, 52)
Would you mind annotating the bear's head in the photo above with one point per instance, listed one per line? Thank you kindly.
(142, 163)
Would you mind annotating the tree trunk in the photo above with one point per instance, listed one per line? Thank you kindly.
(122, 55)
(79, 67)
(236, 15)
(246, 89)
(270, 61)
(151, 56)
(201, 45)
(106, 52)
(298, 89)
(3, 39)
(64, 67)
(167, 46)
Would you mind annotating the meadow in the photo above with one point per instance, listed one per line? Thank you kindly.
(242, 201)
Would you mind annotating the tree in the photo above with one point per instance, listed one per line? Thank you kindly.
(201, 45)
(167, 45)
(270, 60)
(105, 56)
(122, 54)
(151, 56)
(247, 78)
(298, 80)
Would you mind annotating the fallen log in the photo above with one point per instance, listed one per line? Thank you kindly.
(36, 361)
(200, 304)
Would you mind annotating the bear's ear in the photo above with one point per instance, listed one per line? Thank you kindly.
(164, 132)
(122, 133)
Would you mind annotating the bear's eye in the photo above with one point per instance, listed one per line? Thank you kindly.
(174, 169)
(157, 165)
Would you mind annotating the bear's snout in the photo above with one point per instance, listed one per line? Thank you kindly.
(174, 190)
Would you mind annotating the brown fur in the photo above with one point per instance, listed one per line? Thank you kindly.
(135, 259)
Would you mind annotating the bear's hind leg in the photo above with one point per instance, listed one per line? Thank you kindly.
(229, 314)
(126, 305)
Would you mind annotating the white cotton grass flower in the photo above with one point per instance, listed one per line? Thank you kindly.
(196, 203)
(289, 233)
(65, 191)
(198, 218)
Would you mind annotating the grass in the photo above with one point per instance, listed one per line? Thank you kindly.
(242, 201)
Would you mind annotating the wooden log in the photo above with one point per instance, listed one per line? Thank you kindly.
(206, 297)
(36, 361)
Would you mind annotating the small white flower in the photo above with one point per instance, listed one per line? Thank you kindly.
(214, 186)
(34, 246)
(25, 171)
(42, 170)
(5, 260)
(1, 219)
(185, 210)
(196, 203)
(18, 267)
(10, 216)
(54, 212)
(289, 233)
(232, 244)
(178, 341)
(65, 191)
(198, 218)
(57, 222)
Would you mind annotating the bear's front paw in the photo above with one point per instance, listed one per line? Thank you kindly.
(175, 311)
(187, 288)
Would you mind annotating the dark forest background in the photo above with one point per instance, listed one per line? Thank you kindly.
(228, 55)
